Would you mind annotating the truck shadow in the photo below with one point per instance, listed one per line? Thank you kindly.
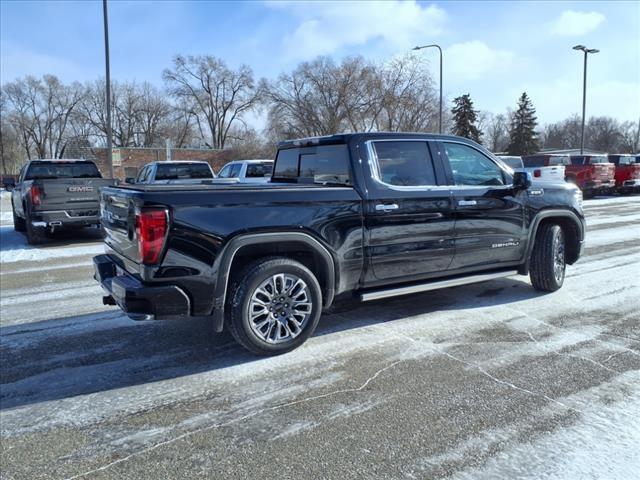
(12, 240)
(66, 357)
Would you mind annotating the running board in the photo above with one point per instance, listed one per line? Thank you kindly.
(425, 287)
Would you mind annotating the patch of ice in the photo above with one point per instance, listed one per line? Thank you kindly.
(40, 254)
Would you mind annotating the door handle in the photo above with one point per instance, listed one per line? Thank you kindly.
(467, 203)
(386, 207)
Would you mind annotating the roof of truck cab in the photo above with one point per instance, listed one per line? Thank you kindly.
(160, 162)
(61, 160)
(344, 138)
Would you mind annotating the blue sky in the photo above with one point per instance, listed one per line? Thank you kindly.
(492, 50)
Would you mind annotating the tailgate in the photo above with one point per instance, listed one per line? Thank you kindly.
(552, 174)
(603, 171)
(71, 194)
(118, 217)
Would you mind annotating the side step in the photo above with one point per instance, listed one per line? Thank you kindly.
(425, 287)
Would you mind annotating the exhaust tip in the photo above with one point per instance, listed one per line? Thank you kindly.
(108, 300)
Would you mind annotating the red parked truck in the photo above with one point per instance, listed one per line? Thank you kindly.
(593, 174)
(627, 174)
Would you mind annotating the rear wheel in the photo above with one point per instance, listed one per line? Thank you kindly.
(35, 235)
(18, 222)
(548, 259)
(274, 306)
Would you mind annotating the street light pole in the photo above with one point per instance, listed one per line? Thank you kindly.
(108, 86)
(584, 90)
(440, 50)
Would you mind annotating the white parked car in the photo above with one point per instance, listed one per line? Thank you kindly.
(540, 170)
(247, 171)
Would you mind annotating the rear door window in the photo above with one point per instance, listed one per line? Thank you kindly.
(404, 163)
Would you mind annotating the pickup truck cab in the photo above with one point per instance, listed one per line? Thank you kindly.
(247, 171)
(627, 173)
(547, 168)
(174, 172)
(593, 174)
(52, 194)
(370, 215)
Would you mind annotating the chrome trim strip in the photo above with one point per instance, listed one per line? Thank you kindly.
(425, 287)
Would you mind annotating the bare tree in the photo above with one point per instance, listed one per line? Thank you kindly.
(406, 96)
(42, 111)
(218, 96)
(153, 113)
(630, 137)
(497, 132)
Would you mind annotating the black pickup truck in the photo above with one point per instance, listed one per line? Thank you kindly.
(371, 215)
(53, 194)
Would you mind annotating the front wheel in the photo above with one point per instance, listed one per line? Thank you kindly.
(274, 306)
(548, 259)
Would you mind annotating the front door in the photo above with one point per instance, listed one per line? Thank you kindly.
(408, 215)
(489, 214)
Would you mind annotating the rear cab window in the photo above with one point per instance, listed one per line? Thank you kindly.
(559, 160)
(54, 170)
(322, 164)
(259, 170)
(183, 171)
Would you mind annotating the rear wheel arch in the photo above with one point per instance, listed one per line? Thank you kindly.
(246, 249)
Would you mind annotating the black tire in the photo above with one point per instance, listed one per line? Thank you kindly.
(35, 235)
(548, 266)
(18, 222)
(241, 298)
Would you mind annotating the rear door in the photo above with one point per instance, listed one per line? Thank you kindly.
(489, 218)
(408, 212)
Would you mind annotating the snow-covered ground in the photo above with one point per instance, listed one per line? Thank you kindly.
(484, 381)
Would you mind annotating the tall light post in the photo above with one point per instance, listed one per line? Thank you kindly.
(586, 51)
(108, 85)
(440, 50)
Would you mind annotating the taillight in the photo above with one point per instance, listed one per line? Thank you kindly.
(537, 173)
(151, 231)
(35, 194)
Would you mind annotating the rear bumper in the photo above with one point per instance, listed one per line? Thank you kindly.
(70, 218)
(599, 185)
(138, 300)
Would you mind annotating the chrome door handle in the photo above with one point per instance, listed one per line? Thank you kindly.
(467, 203)
(386, 207)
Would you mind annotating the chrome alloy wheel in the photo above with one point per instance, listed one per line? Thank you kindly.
(280, 308)
(558, 257)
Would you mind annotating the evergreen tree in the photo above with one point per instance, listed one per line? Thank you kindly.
(523, 139)
(464, 118)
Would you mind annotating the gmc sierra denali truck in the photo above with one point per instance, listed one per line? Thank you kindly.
(52, 194)
(372, 215)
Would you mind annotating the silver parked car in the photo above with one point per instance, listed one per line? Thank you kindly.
(247, 171)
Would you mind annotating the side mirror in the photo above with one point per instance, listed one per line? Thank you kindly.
(521, 180)
(129, 180)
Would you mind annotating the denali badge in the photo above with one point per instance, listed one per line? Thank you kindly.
(505, 244)
(80, 189)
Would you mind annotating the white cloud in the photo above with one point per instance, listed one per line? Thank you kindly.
(573, 23)
(325, 27)
(472, 60)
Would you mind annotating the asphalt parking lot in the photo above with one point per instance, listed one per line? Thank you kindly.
(492, 380)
